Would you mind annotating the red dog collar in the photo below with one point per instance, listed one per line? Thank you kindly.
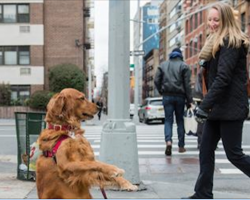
(54, 150)
(58, 127)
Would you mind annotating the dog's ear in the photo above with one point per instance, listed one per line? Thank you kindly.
(56, 105)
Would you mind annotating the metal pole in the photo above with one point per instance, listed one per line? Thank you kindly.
(119, 139)
(90, 81)
(136, 58)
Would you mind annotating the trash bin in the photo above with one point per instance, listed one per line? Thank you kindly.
(28, 127)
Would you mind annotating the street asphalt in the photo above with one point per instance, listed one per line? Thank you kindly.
(153, 188)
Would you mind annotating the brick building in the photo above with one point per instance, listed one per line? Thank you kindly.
(195, 33)
(36, 35)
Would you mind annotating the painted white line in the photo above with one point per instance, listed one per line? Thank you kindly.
(222, 161)
(230, 171)
(7, 135)
(173, 153)
(153, 141)
(157, 146)
(163, 146)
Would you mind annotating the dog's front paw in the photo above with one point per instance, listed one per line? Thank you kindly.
(129, 187)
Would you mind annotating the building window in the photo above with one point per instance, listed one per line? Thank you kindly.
(14, 13)
(186, 27)
(191, 23)
(19, 93)
(196, 20)
(172, 27)
(23, 13)
(9, 13)
(200, 42)
(13, 55)
(191, 48)
(201, 20)
(195, 46)
(172, 42)
(10, 55)
(24, 56)
(172, 13)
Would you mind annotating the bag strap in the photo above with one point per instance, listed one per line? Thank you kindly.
(190, 112)
(204, 87)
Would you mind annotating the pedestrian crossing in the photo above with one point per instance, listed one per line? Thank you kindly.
(151, 144)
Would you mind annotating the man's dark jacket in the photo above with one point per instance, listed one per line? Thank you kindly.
(227, 85)
(172, 78)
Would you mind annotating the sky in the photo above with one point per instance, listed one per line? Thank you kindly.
(101, 34)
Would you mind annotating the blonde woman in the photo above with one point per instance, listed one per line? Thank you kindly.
(225, 106)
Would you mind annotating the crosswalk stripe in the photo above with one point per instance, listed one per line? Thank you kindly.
(174, 153)
(152, 141)
(163, 146)
(222, 161)
(230, 171)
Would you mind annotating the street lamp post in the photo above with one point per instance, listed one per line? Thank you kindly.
(136, 58)
(90, 81)
(119, 139)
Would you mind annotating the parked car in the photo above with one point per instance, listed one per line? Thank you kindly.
(151, 109)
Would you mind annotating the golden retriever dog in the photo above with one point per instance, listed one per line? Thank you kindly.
(67, 169)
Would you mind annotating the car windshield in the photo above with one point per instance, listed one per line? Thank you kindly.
(156, 102)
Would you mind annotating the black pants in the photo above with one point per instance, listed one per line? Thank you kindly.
(199, 134)
(99, 114)
(231, 134)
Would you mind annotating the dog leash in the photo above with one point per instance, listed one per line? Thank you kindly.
(103, 193)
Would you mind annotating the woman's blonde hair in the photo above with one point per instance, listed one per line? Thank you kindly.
(229, 28)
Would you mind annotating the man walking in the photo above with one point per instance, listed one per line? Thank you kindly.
(172, 80)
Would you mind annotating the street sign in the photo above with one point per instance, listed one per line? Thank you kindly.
(137, 53)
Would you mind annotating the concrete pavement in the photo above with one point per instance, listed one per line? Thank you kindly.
(158, 185)
(155, 190)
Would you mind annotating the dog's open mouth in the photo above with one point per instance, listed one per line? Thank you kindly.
(87, 115)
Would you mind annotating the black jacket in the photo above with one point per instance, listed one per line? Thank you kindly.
(227, 85)
(172, 78)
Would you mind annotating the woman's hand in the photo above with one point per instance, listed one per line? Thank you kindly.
(200, 115)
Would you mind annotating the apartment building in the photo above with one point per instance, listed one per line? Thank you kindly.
(163, 35)
(150, 16)
(21, 46)
(37, 35)
(195, 33)
(172, 34)
(244, 17)
(151, 65)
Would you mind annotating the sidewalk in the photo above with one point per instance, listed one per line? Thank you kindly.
(158, 185)
(155, 190)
